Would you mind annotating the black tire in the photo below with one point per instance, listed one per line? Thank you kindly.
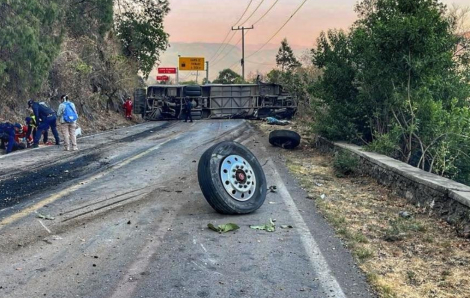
(196, 115)
(284, 138)
(210, 181)
(192, 94)
(192, 91)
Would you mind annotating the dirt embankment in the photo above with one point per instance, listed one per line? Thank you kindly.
(95, 76)
(404, 251)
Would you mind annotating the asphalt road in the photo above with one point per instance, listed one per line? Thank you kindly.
(130, 221)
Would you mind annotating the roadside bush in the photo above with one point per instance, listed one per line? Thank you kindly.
(399, 82)
(345, 163)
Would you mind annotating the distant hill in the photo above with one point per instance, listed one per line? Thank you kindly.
(263, 61)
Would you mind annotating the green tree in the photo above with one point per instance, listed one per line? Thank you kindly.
(139, 26)
(228, 76)
(30, 38)
(285, 57)
(400, 81)
(86, 17)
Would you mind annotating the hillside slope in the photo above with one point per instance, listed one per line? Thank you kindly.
(60, 47)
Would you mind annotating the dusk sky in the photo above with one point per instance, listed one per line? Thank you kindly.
(209, 20)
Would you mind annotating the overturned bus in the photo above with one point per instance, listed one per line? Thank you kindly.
(252, 101)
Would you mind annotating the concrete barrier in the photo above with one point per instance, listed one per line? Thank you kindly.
(445, 197)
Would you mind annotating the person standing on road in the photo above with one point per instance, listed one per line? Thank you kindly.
(47, 118)
(68, 117)
(128, 108)
(188, 106)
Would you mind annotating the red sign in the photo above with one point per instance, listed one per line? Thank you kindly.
(167, 70)
(163, 78)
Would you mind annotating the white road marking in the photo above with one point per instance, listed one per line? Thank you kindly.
(205, 250)
(42, 224)
(317, 260)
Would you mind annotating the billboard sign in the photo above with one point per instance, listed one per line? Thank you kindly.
(167, 70)
(192, 63)
(163, 78)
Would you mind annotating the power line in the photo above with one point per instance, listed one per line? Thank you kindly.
(228, 33)
(277, 32)
(254, 11)
(249, 4)
(224, 47)
(266, 13)
(226, 54)
(257, 21)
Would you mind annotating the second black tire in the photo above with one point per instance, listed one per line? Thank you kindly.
(286, 139)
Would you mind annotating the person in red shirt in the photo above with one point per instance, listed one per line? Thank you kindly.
(23, 134)
(128, 108)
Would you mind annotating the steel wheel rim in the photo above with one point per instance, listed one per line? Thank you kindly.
(238, 178)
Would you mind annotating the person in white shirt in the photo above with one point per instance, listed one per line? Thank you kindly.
(68, 116)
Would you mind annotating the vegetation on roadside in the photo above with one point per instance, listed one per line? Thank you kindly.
(402, 249)
(83, 48)
(345, 163)
(397, 82)
(228, 76)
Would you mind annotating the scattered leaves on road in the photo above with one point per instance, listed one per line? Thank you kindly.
(269, 227)
(47, 217)
(223, 228)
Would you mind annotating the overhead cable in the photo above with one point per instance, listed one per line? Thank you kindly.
(277, 32)
(254, 11)
(266, 13)
(228, 33)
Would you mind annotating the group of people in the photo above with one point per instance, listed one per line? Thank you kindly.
(14, 136)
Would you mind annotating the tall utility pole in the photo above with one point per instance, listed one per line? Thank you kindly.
(243, 46)
(178, 71)
(207, 72)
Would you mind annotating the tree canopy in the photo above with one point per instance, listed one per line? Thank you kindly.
(30, 40)
(285, 57)
(139, 25)
(397, 82)
(228, 76)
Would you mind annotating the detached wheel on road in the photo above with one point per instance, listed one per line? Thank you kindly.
(284, 138)
(231, 179)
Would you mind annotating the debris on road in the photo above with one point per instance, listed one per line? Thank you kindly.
(287, 227)
(223, 228)
(269, 227)
(275, 121)
(272, 188)
(47, 217)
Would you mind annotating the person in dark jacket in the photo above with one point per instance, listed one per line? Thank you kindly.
(188, 106)
(47, 118)
(32, 130)
(8, 132)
